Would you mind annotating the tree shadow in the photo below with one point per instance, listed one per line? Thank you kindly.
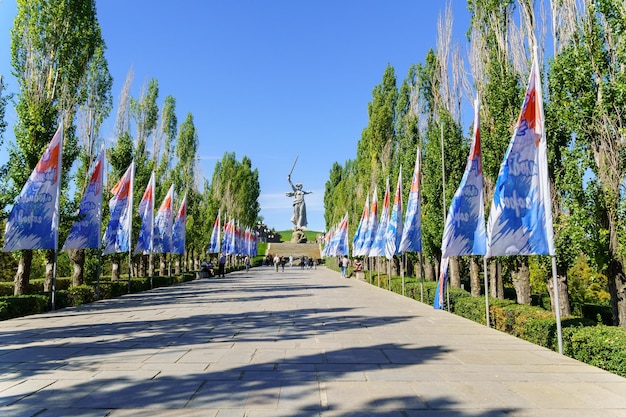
(214, 362)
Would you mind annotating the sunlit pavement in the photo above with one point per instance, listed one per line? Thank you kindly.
(292, 343)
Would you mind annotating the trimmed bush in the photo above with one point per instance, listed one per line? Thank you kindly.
(82, 294)
(23, 305)
(597, 313)
(601, 346)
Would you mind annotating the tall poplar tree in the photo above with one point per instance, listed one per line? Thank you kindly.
(52, 43)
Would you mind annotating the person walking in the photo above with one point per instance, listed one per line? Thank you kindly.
(221, 267)
(246, 262)
(344, 265)
(276, 262)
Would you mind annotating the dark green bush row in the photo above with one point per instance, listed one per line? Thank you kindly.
(584, 338)
(68, 296)
(601, 346)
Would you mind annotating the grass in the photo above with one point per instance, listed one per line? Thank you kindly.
(285, 235)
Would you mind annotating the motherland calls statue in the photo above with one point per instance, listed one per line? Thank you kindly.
(299, 207)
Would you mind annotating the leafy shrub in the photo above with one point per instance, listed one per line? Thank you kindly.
(23, 305)
(6, 288)
(82, 294)
(601, 346)
(597, 313)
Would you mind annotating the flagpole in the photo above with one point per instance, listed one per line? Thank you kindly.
(421, 277)
(57, 206)
(557, 306)
(402, 260)
(130, 220)
(486, 279)
(443, 196)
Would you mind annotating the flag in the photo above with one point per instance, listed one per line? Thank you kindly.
(85, 232)
(520, 219)
(441, 284)
(411, 240)
(34, 219)
(214, 244)
(117, 234)
(378, 246)
(179, 228)
(340, 238)
(394, 227)
(227, 240)
(163, 225)
(146, 213)
(359, 235)
(328, 238)
(372, 226)
(464, 230)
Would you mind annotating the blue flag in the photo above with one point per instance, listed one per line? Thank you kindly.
(464, 230)
(520, 220)
(361, 229)
(146, 213)
(85, 232)
(394, 228)
(440, 291)
(34, 219)
(116, 237)
(214, 244)
(378, 247)
(163, 225)
(412, 231)
(179, 229)
(372, 226)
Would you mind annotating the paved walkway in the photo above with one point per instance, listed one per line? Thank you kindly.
(293, 343)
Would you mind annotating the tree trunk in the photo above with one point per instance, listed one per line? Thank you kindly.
(495, 279)
(521, 281)
(564, 305)
(475, 284)
(454, 272)
(115, 268)
(47, 285)
(141, 261)
(22, 276)
(617, 289)
(429, 271)
(162, 264)
(77, 256)
(177, 265)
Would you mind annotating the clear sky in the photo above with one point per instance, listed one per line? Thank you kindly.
(271, 79)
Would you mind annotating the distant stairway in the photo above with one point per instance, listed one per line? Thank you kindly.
(297, 250)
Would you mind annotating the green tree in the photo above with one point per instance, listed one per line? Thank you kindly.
(185, 175)
(52, 43)
(592, 71)
(95, 108)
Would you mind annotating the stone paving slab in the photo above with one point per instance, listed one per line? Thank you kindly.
(294, 343)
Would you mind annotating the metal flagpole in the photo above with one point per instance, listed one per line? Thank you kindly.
(57, 206)
(486, 279)
(402, 260)
(130, 221)
(557, 306)
(421, 277)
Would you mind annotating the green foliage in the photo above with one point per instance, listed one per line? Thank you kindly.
(82, 294)
(22, 305)
(601, 346)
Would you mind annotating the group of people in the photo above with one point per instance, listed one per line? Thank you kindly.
(208, 268)
(278, 261)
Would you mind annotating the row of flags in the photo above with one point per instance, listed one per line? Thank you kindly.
(234, 241)
(520, 219)
(34, 219)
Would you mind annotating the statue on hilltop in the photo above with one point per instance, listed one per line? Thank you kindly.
(299, 207)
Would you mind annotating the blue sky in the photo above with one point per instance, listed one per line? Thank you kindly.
(271, 80)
